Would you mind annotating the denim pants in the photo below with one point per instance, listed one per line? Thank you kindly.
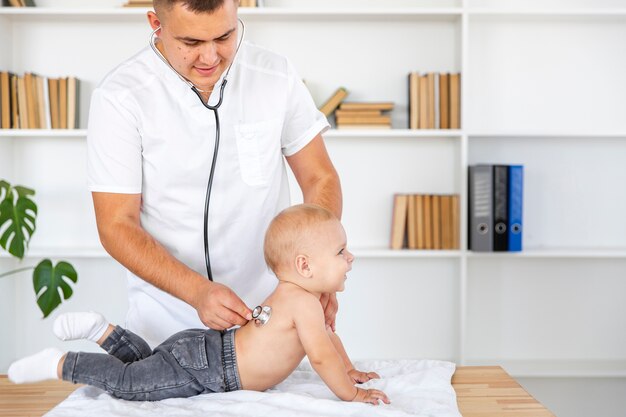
(189, 363)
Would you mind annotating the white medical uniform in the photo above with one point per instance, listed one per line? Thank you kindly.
(149, 134)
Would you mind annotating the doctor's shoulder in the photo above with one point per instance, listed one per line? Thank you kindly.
(135, 73)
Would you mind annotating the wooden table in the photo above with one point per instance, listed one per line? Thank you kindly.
(485, 391)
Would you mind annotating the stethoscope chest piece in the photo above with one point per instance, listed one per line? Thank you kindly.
(261, 315)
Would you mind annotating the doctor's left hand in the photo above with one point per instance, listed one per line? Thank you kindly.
(220, 308)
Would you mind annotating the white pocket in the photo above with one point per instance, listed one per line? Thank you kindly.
(255, 144)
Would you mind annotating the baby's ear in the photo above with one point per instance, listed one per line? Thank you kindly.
(303, 267)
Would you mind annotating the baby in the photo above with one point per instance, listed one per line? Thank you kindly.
(305, 246)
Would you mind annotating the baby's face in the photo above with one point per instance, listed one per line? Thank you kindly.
(330, 259)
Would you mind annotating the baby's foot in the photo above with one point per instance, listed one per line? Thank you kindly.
(37, 367)
(73, 326)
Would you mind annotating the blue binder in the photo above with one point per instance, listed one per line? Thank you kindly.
(516, 187)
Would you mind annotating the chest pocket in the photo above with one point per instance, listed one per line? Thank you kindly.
(257, 144)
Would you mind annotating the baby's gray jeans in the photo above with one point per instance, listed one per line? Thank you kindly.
(191, 362)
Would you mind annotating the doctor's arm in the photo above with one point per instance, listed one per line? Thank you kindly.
(320, 185)
(121, 234)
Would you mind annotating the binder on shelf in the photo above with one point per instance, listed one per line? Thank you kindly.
(500, 208)
(480, 208)
(516, 187)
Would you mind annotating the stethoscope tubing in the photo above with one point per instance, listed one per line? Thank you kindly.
(214, 108)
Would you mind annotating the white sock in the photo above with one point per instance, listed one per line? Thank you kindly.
(37, 367)
(73, 326)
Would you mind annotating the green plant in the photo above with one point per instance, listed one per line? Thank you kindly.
(18, 215)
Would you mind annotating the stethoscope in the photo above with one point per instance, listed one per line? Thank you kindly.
(214, 108)
(261, 315)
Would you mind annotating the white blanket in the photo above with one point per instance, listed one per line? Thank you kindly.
(415, 388)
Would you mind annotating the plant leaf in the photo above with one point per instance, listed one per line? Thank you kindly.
(48, 279)
(18, 215)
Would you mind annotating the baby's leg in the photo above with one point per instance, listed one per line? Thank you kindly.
(154, 378)
(123, 344)
(38, 367)
(82, 325)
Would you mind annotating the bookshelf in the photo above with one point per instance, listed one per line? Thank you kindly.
(559, 114)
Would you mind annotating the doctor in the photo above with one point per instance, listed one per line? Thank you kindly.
(150, 150)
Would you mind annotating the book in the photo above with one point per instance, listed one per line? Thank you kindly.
(333, 101)
(72, 99)
(430, 109)
(423, 102)
(435, 216)
(53, 88)
(446, 221)
(428, 228)
(358, 113)
(22, 108)
(444, 101)
(399, 221)
(15, 121)
(46, 104)
(375, 120)
(480, 214)
(63, 103)
(500, 208)
(419, 220)
(5, 99)
(455, 101)
(381, 105)
(31, 101)
(413, 100)
(41, 107)
(516, 191)
(411, 222)
(456, 222)
(363, 126)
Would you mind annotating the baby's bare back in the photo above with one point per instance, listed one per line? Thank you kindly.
(267, 354)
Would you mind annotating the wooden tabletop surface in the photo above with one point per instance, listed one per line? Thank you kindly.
(482, 391)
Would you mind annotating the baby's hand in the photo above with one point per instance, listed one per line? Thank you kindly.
(371, 396)
(358, 377)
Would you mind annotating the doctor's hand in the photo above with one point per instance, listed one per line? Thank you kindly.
(220, 308)
(330, 305)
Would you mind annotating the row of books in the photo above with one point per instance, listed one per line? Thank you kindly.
(495, 208)
(18, 3)
(434, 101)
(35, 102)
(425, 221)
(357, 115)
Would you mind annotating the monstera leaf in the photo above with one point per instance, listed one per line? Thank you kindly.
(48, 279)
(18, 213)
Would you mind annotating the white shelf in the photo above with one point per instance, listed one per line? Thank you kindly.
(43, 133)
(549, 13)
(404, 253)
(59, 252)
(332, 133)
(545, 135)
(572, 368)
(392, 133)
(262, 12)
(554, 254)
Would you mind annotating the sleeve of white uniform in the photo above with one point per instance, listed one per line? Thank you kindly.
(303, 121)
(113, 147)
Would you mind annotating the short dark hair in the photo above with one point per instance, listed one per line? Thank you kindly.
(197, 6)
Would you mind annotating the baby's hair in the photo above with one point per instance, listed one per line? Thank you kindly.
(290, 231)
